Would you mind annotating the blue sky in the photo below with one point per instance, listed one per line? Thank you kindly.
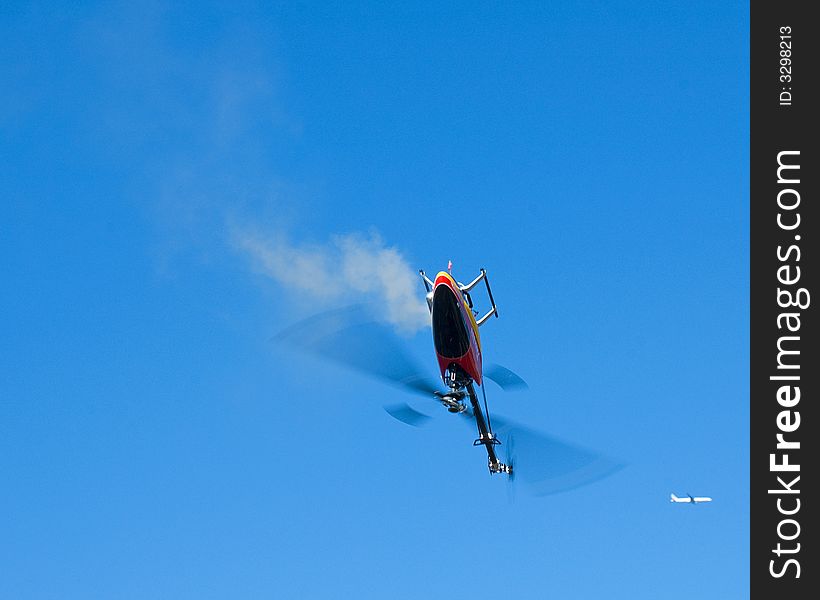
(155, 443)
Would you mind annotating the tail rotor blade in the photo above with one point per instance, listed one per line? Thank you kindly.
(510, 461)
(509, 455)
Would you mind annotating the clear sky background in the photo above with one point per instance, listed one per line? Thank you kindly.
(154, 443)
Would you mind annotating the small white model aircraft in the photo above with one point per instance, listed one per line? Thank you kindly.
(689, 499)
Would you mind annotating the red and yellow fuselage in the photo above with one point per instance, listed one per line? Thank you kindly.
(455, 331)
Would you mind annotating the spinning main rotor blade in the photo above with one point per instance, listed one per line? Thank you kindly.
(547, 464)
(506, 379)
(351, 338)
(407, 414)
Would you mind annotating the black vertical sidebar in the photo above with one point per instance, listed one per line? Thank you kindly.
(785, 225)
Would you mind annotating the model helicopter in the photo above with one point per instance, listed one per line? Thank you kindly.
(354, 338)
(458, 350)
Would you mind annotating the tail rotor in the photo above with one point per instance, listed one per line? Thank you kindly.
(510, 460)
(509, 456)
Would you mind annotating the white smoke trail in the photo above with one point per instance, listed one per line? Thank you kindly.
(349, 268)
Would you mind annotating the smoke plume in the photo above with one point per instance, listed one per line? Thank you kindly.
(349, 268)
